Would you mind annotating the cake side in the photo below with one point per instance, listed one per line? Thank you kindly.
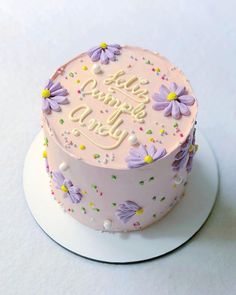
(119, 137)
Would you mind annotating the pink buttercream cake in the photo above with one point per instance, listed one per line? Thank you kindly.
(119, 126)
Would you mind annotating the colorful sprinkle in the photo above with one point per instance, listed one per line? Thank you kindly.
(149, 131)
(45, 154)
(175, 125)
(162, 131)
(96, 156)
(45, 141)
(61, 121)
(113, 204)
(151, 178)
(162, 199)
(83, 209)
(113, 177)
(78, 81)
(84, 68)
(82, 147)
(141, 182)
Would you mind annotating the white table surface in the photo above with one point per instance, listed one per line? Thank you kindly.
(38, 36)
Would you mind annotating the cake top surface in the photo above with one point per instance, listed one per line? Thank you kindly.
(119, 107)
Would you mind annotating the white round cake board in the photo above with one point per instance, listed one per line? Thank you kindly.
(162, 237)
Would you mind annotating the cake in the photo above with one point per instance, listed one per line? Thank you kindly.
(119, 137)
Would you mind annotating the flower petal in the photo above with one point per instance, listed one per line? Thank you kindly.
(184, 110)
(158, 97)
(60, 99)
(127, 210)
(135, 153)
(58, 177)
(91, 51)
(96, 54)
(49, 84)
(168, 109)
(114, 50)
(189, 164)
(181, 154)
(187, 99)
(175, 110)
(55, 87)
(142, 150)
(152, 150)
(104, 58)
(74, 195)
(54, 105)
(110, 54)
(164, 91)
(46, 106)
(161, 152)
(179, 164)
(173, 87)
(158, 106)
(180, 90)
(61, 91)
(135, 163)
(115, 46)
(67, 183)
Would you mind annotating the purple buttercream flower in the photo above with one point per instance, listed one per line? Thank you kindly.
(127, 210)
(186, 154)
(174, 101)
(104, 52)
(52, 96)
(142, 155)
(67, 187)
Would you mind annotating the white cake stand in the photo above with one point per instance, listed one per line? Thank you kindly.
(161, 238)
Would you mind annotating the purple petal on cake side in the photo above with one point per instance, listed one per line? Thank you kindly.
(53, 95)
(185, 156)
(127, 210)
(67, 187)
(104, 52)
(142, 156)
(174, 101)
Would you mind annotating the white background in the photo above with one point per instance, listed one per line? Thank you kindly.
(38, 36)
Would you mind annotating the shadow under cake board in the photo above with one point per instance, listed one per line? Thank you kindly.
(163, 237)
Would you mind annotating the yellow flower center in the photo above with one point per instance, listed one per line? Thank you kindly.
(148, 159)
(172, 96)
(103, 45)
(64, 188)
(139, 212)
(193, 148)
(45, 154)
(46, 93)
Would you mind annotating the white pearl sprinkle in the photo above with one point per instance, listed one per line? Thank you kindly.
(63, 166)
(144, 81)
(107, 224)
(75, 132)
(178, 179)
(96, 69)
(133, 139)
